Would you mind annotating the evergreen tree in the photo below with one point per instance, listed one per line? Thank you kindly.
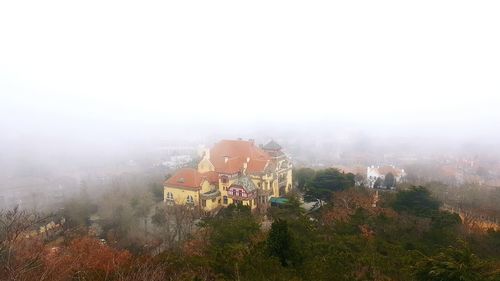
(279, 241)
(416, 201)
(327, 181)
(450, 265)
(389, 180)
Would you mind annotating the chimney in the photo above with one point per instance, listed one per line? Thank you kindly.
(206, 154)
(248, 159)
(225, 159)
(244, 170)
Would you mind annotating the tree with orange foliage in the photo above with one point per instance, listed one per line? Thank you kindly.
(346, 203)
(85, 256)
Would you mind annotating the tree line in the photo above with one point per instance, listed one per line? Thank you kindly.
(405, 236)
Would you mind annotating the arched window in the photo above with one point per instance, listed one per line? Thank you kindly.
(170, 196)
(189, 199)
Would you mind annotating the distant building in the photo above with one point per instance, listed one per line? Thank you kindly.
(373, 173)
(177, 161)
(359, 173)
(232, 171)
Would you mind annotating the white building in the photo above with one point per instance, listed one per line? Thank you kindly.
(373, 173)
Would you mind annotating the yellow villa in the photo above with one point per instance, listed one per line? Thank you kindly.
(232, 171)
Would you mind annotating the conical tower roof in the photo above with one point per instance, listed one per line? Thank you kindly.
(272, 145)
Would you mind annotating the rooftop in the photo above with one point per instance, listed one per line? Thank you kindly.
(246, 183)
(272, 145)
(229, 156)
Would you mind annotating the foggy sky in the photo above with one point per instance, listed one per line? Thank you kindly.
(120, 69)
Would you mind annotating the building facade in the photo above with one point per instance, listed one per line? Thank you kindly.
(373, 173)
(232, 171)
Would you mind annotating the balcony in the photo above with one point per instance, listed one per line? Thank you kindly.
(249, 196)
(212, 194)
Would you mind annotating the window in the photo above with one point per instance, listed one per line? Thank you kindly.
(189, 199)
(225, 200)
(224, 179)
(234, 192)
(170, 196)
(240, 193)
(203, 203)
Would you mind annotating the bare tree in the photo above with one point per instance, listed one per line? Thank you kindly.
(142, 208)
(174, 223)
(18, 254)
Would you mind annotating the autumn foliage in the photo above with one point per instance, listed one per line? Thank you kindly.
(32, 260)
(85, 254)
(346, 203)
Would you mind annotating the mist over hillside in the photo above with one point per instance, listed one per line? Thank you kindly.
(249, 140)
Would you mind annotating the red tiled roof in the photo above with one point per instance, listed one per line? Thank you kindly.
(352, 169)
(211, 176)
(255, 166)
(384, 170)
(186, 177)
(191, 178)
(237, 152)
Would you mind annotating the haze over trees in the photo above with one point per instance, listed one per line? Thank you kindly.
(319, 185)
(101, 100)
(404, 236)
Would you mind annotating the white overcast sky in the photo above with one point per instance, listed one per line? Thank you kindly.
(433, 64)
